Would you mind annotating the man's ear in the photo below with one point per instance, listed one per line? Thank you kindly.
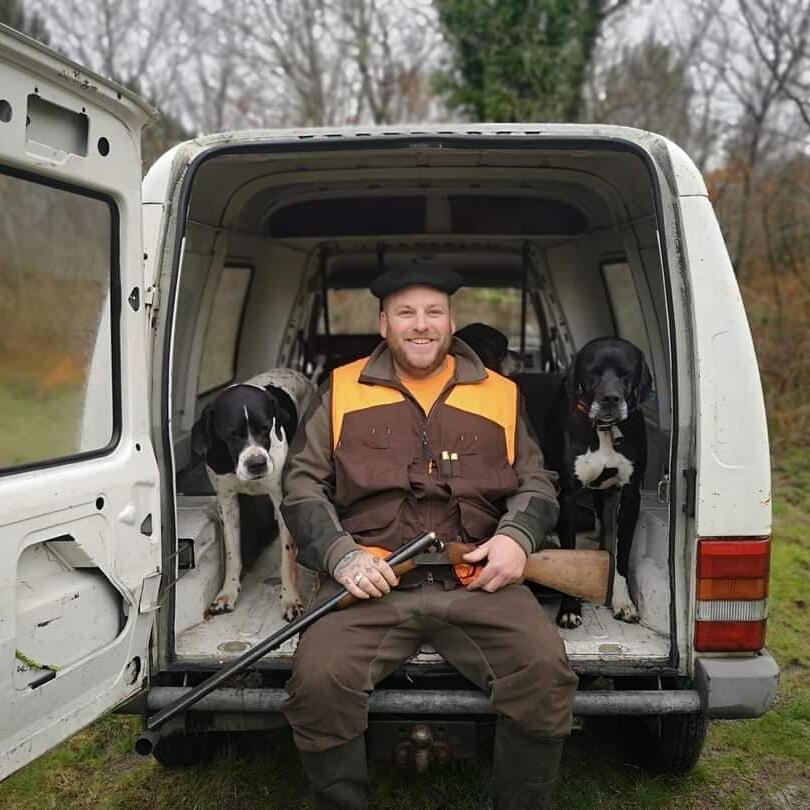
(643, 385)
(383, 324)
(202, 434)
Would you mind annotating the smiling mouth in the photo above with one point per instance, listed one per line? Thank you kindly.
(420, 341)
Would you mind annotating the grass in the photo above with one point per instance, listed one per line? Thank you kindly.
(763, 763)
(37, 427)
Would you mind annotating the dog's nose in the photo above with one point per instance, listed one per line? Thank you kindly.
(256, 465)
(610, 399)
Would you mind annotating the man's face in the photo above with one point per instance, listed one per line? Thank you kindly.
(417, 326)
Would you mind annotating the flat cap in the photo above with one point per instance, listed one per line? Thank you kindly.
(407, 274)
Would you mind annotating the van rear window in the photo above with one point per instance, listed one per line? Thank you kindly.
(356, 312)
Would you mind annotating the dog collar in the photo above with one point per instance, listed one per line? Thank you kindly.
(613, 429)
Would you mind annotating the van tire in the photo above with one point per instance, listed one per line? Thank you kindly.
(185, 750)
(666, 743)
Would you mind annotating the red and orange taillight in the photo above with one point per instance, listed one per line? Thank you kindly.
(732, 593)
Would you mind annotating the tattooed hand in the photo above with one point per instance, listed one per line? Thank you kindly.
(365, 575)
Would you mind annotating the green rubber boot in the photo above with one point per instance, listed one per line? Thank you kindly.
(339, 775)
(524, 768)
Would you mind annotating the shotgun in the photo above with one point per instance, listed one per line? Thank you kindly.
(579, 572)
(584, 573)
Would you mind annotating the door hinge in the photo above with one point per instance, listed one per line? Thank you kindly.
(150, 297)
(690, 491)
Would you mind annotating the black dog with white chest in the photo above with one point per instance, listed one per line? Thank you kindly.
(597, 443)
(245, 434)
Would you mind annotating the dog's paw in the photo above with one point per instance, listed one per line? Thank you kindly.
(291, 607)
(224, 602)
(626, 612)
(622, 603)
(569, 620)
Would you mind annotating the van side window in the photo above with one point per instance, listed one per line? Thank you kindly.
(59, 305)
(222, 333)
(625, 305)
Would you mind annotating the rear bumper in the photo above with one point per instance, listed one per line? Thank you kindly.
(435, 702)
(724, 687)
(734, 688)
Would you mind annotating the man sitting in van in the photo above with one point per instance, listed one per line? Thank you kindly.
(421, 437)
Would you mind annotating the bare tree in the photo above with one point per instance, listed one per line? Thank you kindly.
(779, 31)
(393, 45)
(750, 59)
(340, 61)
(139, 43)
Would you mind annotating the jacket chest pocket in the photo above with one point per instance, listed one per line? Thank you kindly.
(369, 459)
(478, 465)
(377, 438)
(466, 459)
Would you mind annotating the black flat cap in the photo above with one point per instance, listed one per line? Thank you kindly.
(407, 274)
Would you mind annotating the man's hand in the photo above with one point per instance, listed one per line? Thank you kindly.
(365, 575)
(505, 562)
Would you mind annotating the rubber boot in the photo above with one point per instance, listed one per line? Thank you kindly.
(339, 775)
(524, 768)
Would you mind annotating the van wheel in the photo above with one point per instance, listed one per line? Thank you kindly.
(667, 743)
(663, 743)
(184, 750)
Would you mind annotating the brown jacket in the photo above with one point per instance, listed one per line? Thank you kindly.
(365, 466)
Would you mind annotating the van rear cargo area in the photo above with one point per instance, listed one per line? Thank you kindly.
(557, 246)
(601, 644)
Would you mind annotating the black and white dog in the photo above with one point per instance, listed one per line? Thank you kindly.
(244, 434)
(597, 442)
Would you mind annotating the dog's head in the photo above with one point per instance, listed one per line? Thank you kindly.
(610, 378)
(248, 425)
(492, 346)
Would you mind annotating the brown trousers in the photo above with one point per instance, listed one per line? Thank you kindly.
(501, 641)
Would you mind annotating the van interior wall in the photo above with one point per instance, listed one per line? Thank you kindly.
(276, 275)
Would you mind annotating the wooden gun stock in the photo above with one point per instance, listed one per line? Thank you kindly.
(584, 573)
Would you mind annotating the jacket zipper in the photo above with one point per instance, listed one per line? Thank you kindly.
(427, 454)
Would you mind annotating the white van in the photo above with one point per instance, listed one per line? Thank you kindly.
(124, 308)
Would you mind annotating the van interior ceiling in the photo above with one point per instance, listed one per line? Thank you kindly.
(557, 246)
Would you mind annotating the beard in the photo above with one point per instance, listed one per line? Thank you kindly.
(419, 362)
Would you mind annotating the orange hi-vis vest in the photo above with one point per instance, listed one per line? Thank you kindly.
(400, 471)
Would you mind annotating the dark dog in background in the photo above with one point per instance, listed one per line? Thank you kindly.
(245, 434)
(492, 347)
(597, 442)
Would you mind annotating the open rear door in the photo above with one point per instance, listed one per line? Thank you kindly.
(79, 498)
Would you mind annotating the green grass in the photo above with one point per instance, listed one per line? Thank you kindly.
(762, 763)
(38, 427)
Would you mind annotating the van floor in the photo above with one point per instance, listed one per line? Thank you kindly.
(599, 642)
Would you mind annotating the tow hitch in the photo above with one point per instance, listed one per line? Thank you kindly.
(421, 745)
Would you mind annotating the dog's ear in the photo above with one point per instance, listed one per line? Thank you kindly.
(643, 386)
(284, 419)
(202, 434)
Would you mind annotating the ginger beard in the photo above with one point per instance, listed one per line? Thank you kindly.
(417, 325)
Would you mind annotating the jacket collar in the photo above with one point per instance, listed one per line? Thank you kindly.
(379, 368)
